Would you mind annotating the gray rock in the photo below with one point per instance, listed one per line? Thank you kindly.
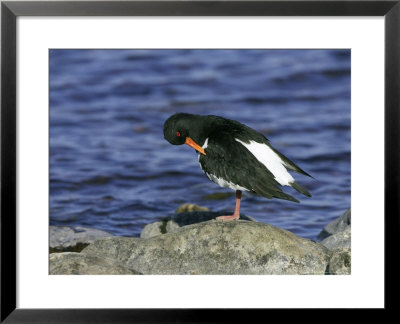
(151, 230)
(158, 228)
(188, 218)
(340, 262)
(65, 237)
(340, 239)
(338, 225)
(171, 227)
(83, 264)
(171, 223)
(216, 247)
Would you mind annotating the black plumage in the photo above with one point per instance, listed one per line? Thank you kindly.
(224, 157)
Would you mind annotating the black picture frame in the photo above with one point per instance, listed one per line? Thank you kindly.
(10, 10)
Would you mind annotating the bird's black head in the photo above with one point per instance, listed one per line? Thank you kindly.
(176, 129)
(184, 128)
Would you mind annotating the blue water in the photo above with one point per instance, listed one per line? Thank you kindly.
(111, 169)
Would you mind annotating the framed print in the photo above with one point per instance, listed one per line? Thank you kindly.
(292, 104)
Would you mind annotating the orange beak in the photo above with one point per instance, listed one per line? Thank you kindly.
(194, 145)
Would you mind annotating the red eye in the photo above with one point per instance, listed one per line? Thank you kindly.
(178, 134)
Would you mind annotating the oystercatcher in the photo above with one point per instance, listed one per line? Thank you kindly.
(234, 156)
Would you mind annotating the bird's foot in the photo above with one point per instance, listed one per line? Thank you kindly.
(228, 218)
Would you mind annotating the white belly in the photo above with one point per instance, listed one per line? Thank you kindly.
(224, 183)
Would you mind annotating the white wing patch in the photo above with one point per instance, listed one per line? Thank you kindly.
(270, 159)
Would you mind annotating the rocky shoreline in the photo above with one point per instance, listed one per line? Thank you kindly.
(191, 241)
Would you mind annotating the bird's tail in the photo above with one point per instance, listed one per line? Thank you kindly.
(300, 189)
(276, 193)
(285, 196)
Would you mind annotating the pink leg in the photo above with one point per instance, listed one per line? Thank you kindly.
(236, 214)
